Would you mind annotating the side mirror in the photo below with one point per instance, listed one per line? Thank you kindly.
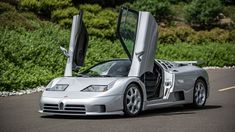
(65, 52)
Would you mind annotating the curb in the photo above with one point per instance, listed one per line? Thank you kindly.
(21, 92)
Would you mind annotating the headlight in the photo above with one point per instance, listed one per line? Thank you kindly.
(95, 88)
(57, 87)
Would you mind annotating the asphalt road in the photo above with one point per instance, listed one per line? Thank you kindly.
(19, 113)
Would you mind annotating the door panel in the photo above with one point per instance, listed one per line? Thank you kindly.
(78, 45)
(81, 38)
(144, 45)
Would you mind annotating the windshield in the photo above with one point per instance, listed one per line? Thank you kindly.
(116, 68)
(127, 27)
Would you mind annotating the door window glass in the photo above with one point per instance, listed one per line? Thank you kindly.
(127, 29)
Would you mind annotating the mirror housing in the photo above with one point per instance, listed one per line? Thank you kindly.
(65, 51)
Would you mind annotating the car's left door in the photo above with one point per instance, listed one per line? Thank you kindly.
(78, 45)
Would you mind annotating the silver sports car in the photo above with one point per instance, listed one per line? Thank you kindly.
(124, 86)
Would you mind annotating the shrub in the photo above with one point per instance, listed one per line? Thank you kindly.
(177, 12)
(211, 54)
(103, 3)
(14, 20)
(232, 36)
(31, 58)
(172, 35)
(6, 7)
(219, 35)
(64, 16)
(159, 8)
(10, 18)
(202, 12)
(215, 35)
(183, 32)
(91, 8)
(30, 5)
(29, 16)
(100, 23)
(229, 11)
(64, 13)
(66, 23)
(44, 7)
(167, 36)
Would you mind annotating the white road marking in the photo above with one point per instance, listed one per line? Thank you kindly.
(224, 89)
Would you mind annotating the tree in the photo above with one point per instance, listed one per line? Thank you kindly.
(202, 13)
(159, 8)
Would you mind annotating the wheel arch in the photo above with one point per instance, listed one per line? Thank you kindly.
(142, 90)
(139, 84)
(143, 94)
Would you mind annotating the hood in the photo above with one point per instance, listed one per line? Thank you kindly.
(79, 83)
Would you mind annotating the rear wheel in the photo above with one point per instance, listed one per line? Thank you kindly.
(133, 100)
(199, 94)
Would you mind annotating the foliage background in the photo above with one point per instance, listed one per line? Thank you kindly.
(31, 32)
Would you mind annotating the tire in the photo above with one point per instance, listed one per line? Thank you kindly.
(132, 100)
(199, 94)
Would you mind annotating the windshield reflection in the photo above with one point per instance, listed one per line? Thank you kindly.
(114, 68)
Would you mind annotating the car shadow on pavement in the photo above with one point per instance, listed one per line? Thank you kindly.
(177, 110)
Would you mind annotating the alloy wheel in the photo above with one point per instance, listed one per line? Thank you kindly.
(199, 93)
(132, 100)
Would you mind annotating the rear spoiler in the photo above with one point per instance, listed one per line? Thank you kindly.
(189, 62)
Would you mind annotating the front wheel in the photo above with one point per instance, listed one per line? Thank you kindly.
(199, 94)
(133, 100)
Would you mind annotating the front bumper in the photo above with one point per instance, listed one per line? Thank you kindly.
(106, 105)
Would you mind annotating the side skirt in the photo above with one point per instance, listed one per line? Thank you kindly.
(150, 105)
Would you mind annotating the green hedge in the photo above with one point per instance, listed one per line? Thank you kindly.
(43, 7)
(31, 58)
(171, 35)
(211, 54)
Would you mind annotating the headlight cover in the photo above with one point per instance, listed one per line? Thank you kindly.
(57, 87)
(95, 88)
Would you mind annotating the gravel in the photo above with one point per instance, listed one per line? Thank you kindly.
(21, 92)
(41, 88)
(216, 67)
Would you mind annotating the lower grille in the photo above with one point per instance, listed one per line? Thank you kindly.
(50, 107)
(66, 109)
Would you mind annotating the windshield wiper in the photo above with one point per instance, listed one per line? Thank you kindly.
(105, 76)
(83, 75)
(90, 75)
